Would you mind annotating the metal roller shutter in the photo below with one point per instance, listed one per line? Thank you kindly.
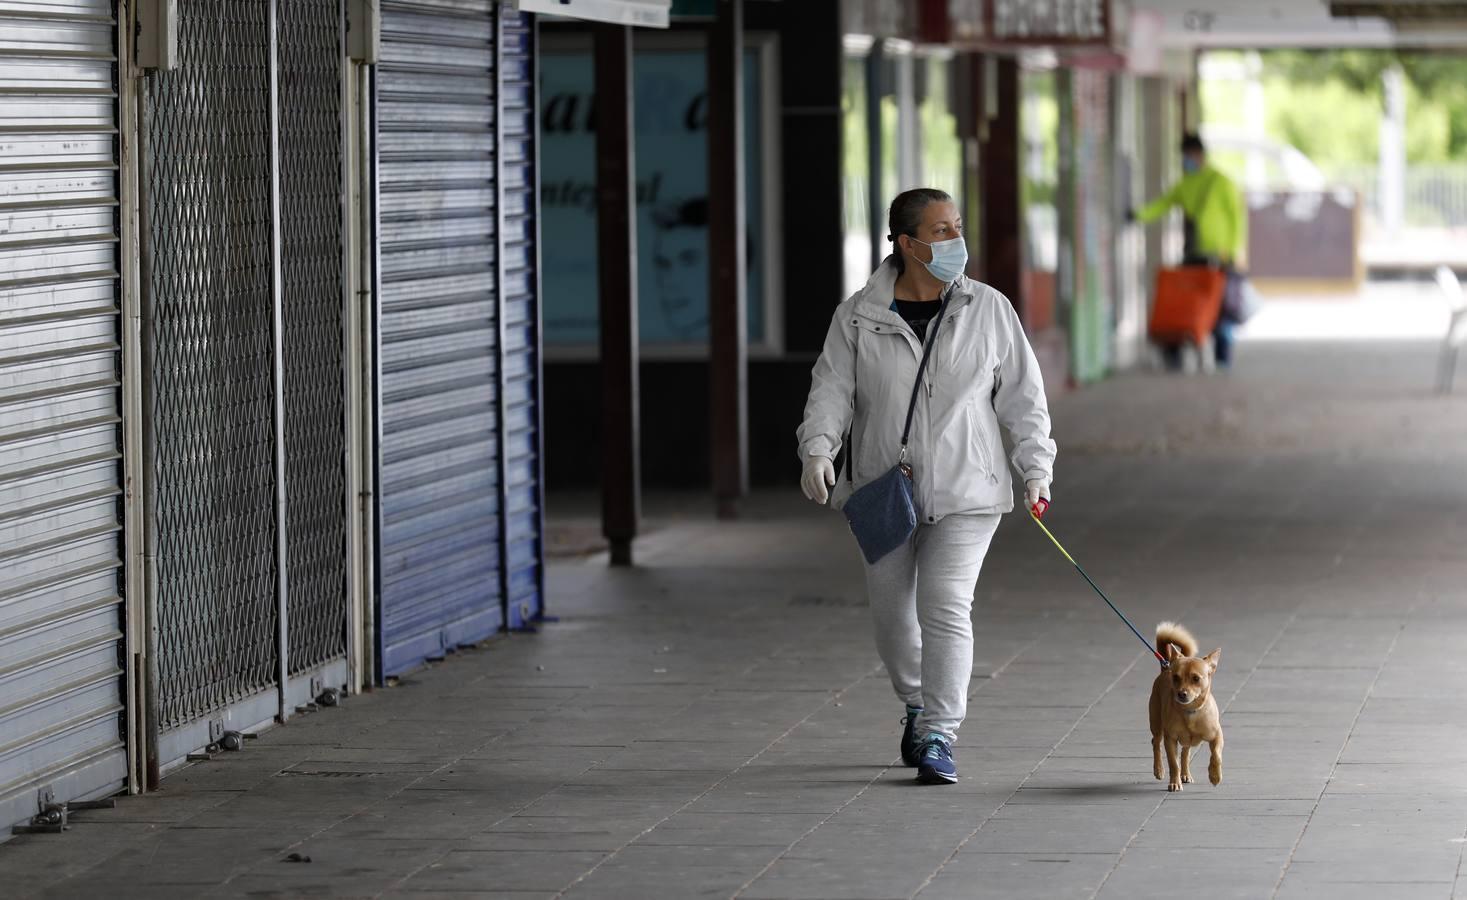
(438, 331)
(524, 517)
(228, 440)
(311, 222)
(61, 542)
(207, 144)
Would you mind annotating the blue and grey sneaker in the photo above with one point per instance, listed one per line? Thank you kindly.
(935, 762)
(910, 745)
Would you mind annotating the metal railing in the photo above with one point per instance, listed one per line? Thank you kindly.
(1436, 194)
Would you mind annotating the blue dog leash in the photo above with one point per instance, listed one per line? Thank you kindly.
(1036, 514)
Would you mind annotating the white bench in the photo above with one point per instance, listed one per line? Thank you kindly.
(1456, 328)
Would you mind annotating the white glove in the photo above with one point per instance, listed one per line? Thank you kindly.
(1035, 490)
(818, 478)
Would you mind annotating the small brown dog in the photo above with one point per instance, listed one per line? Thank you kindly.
(1183, 713)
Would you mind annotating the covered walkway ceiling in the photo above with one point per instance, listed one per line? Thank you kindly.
(1307, 23)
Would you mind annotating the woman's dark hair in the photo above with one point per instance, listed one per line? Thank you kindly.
(1191, 143)
(905, 216)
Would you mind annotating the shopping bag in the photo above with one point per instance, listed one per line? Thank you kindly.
(1240, 300)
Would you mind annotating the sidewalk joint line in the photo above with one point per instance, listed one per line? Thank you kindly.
(711, 788)
(1364, 702)
(989, 818)
(867, 786)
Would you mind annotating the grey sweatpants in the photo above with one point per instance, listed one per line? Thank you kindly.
(922, 604)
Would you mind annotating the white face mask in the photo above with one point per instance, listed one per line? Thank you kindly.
(949, 259)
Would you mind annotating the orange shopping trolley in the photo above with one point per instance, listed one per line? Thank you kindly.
(1188, 302)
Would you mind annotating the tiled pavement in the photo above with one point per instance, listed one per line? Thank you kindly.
(715, 722)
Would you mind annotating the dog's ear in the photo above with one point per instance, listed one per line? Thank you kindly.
(1173, 652)
(1211, 660)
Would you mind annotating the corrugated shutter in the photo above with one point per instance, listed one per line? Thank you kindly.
(61, 544)
(438, 333)
(524, 520)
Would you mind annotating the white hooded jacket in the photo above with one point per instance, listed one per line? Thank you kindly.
(981, 376)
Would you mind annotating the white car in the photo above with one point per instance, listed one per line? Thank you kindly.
(1265, 164)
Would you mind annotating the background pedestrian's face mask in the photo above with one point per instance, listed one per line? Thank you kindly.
(949, 259)
(1190, 165)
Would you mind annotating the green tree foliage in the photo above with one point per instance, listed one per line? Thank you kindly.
(1322, 98)
(1329, 122)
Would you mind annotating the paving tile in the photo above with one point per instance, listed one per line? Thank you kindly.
(864, 841)
(555, 833)
(1178, 827)
(1299, 888)
(1061, 833)
(469, 895)
(742, 796)
(29, 863)
(165, 807)
(518, 870)
(1210, 872)
(98, 886)
(675, 871)
(837, 879)
(674, 754)
(1432, 862)
(337, 867)
(756, 829)
(1019, 876)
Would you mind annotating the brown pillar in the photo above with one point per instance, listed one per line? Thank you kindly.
(1000, 144)
(967, 95)
(616, 248)
(727, 260)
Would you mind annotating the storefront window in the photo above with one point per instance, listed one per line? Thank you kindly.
(891, 148)
(1040, 124)
(672, 196)
(855, 174)
(942, 160)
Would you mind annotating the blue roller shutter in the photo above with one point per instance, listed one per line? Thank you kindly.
(524, 520)
(438, 335)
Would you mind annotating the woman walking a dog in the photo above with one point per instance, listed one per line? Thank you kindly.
(979, 383)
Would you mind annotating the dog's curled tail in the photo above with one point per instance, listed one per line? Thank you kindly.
(1172, 633)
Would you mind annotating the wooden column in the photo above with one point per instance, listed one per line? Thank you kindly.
(616, 248)
(999, 151)
(727, 260)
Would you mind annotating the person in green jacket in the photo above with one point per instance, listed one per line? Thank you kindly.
(1215, 228)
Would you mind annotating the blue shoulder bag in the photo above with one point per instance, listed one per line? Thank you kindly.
(882, 514)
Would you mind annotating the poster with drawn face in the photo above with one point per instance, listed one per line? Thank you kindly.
(671, 123)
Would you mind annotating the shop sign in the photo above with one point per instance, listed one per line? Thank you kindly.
(1029, 23)
(642, 13)
(878, 18)
(694, 9)
(1049, 21)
